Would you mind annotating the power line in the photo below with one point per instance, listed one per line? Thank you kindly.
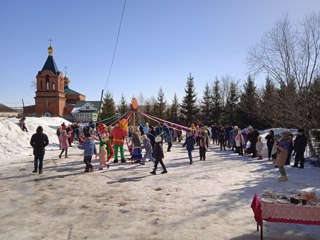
(116, 45)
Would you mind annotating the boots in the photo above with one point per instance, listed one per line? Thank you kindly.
(35, 164)
(283, 178)
(153, 172)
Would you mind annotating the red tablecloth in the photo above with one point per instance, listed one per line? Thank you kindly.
(289, 213)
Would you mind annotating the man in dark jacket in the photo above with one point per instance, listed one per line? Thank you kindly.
(39, 141)
(254, 134)
(299, 146)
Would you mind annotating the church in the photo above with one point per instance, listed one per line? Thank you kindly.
(55, 98)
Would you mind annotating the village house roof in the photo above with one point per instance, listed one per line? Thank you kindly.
(95, 104)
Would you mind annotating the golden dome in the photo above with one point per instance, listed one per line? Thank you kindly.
(66, 80)
(50, 50)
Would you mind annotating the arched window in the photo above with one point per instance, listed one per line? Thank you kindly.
(53, 86)
(47, 83)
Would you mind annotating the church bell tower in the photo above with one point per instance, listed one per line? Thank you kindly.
(50, 98)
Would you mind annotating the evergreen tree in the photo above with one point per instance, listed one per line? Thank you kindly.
(314, 103)
(160, 105)
(268, 109)
(248, 105)
(231, 114)
(173, 113)
(148, 108)
(108, 108)
(123, 105)
(206, 106)
(289, 105)
(189, 109)
(216, 112)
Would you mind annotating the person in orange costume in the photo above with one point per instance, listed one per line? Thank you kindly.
(118, 135)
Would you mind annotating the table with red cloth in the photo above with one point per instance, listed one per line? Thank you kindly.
(287, 213)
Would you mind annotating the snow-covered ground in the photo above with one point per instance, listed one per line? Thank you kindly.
(207, 200)
(15, 144)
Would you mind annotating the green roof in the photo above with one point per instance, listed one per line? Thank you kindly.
(96, 104)
(67, 90)
(51, 65)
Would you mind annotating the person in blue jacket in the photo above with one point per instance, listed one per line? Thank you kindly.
(89, 148)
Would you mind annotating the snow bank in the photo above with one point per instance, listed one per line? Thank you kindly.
(14, 143)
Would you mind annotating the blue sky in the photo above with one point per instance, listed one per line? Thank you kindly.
(161, 42)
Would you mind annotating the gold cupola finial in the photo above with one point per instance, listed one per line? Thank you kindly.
(50, 48)
(66, 79)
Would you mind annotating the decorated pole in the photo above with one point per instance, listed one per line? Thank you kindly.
(135, 108)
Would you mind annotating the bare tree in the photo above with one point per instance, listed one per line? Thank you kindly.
(289, 54)
(226, 82)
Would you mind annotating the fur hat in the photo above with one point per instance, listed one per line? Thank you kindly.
(158, 139)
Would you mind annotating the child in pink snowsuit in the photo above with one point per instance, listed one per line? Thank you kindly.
(64, 143)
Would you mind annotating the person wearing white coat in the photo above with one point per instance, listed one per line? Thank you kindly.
(239, 139)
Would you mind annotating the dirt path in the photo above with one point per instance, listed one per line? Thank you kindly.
(207, 200)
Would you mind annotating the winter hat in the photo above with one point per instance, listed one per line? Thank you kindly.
(39, 129)
(300, 130)
(158, 139)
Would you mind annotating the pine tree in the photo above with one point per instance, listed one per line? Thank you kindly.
(206, 106)
(269, 104)
(314, 103)
(173, 113)
(216, 112)
(231, 105)
(290, 107)
(189, 109)
(160, 106)
(248, 104)
(108, 108)
(123, 105)
(148, 107)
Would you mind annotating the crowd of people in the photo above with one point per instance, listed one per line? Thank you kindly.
(151, 139)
